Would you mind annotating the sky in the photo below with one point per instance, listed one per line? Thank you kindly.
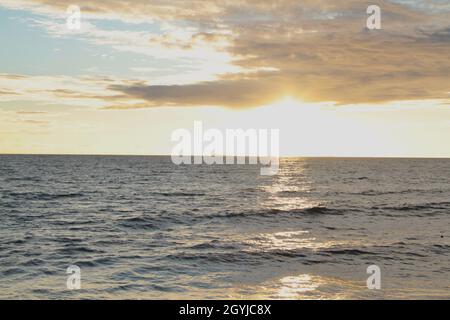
(138, 70)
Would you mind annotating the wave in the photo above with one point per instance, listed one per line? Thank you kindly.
(307, 256)
(350, 252)
(43, 195)
(25, 179)
(139, 223)
(12, 271)
(70, 249)
(407, 191)
(413, 207)
(318, 210)
(179, 194)
(215, 244)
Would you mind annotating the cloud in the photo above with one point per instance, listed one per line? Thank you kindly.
(31, 112)
(317, 50)
(230, 93)
(36, 122)
(5, 92)
(82, 91)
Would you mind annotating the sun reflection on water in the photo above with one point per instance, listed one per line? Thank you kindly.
(304, 286)
(291, 240)
(290, 189)
(293, 286)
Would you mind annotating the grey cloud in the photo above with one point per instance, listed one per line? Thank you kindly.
(230, 93)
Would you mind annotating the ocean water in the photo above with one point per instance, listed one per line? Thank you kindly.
(143, 228)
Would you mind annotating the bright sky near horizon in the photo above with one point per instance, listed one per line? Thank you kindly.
(137, 70)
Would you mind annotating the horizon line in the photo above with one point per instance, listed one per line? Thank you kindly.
(168, 155)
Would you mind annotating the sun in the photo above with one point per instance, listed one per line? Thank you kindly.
(288, 102)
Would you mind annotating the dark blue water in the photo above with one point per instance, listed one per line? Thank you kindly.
(141, 227)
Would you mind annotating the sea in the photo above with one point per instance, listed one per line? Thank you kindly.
(141, 227)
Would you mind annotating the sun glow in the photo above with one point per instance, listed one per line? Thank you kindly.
(306, 129)
(312, 129)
